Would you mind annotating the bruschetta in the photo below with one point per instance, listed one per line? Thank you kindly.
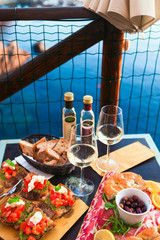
(58, 202)
(11, 173)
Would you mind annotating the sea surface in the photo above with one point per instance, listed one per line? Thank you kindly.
(38, 107)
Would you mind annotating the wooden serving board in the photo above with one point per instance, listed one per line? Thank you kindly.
(63, 224)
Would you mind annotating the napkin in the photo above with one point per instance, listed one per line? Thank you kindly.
(128, 157)
(30, 168)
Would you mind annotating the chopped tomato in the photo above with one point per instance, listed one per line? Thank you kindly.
(3, 208)
(31, 238)
(18, 212)
(8, 176)
(70, 202)
(28, 178)
(9, 171)
(14, 173)
(21, 207)
(36, 229)
(30, 224)
(23, 225)
(27, 230)
(25, 189)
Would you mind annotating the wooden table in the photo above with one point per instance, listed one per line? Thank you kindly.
(149, 169)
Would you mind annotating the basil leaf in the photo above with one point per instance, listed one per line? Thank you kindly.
(14, 199)
(57, 188)
(109, 205)
(10, 163)
(137, 224)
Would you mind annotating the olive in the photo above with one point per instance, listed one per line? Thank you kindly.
(123, 202)
(121, 205)
(128, 203)
(131, 200)
(127, 209)
(138, 210)
(134, 205)
(135, 198)
(144, 209)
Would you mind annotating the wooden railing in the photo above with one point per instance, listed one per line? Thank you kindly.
(99, 29)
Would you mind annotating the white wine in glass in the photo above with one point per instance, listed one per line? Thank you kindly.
(109, 131)
(82, 151)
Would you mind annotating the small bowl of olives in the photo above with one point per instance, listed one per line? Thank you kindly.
(133, 205)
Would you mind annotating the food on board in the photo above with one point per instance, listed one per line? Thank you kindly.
(58, 201)
(15, 210)
(35, 226)
(35, 187)
(11, 173)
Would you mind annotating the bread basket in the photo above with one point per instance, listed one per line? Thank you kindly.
(55, 170)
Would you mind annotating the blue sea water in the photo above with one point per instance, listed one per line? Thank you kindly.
(38, 107)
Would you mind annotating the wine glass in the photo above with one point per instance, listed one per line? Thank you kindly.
(109, 131)
(82, 151)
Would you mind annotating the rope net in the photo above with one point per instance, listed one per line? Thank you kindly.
(37, 108)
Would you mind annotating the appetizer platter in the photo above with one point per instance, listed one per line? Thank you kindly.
(103, 219)
(39, 209)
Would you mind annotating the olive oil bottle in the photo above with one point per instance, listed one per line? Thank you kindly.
(69, 114)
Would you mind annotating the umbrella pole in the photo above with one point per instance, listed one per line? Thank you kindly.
(113, 45)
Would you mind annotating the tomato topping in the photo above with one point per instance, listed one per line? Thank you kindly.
(27, 230)
(23, 225)
(28, 178)
(60, 199)
(31, 238)
(8, 176)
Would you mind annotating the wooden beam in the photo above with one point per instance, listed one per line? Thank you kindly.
(111, 66)
(51, 58)
(57, 13)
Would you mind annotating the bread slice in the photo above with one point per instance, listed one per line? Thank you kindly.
(27, 148)
(46, 154)
(61, 146)
(52, 143)
(50, 163)
(41, 143)
(5, 216)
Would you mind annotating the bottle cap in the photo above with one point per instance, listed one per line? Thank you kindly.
(68, 96)
(87, 99)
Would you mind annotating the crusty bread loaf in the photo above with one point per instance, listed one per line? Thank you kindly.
(27, 148)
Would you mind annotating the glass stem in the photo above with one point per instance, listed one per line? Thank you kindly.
(107, 158)
(81, 178)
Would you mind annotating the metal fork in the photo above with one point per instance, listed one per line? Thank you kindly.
(16, 188)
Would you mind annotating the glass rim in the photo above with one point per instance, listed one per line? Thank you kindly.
(116, 107)
(86, 135)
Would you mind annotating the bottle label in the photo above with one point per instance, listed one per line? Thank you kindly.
(68, 122)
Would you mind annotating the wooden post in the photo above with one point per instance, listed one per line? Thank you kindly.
(111, 66)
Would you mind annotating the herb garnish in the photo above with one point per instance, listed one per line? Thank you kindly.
(14, 199)
(10, 163)
(57, 188)
(117, 224)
